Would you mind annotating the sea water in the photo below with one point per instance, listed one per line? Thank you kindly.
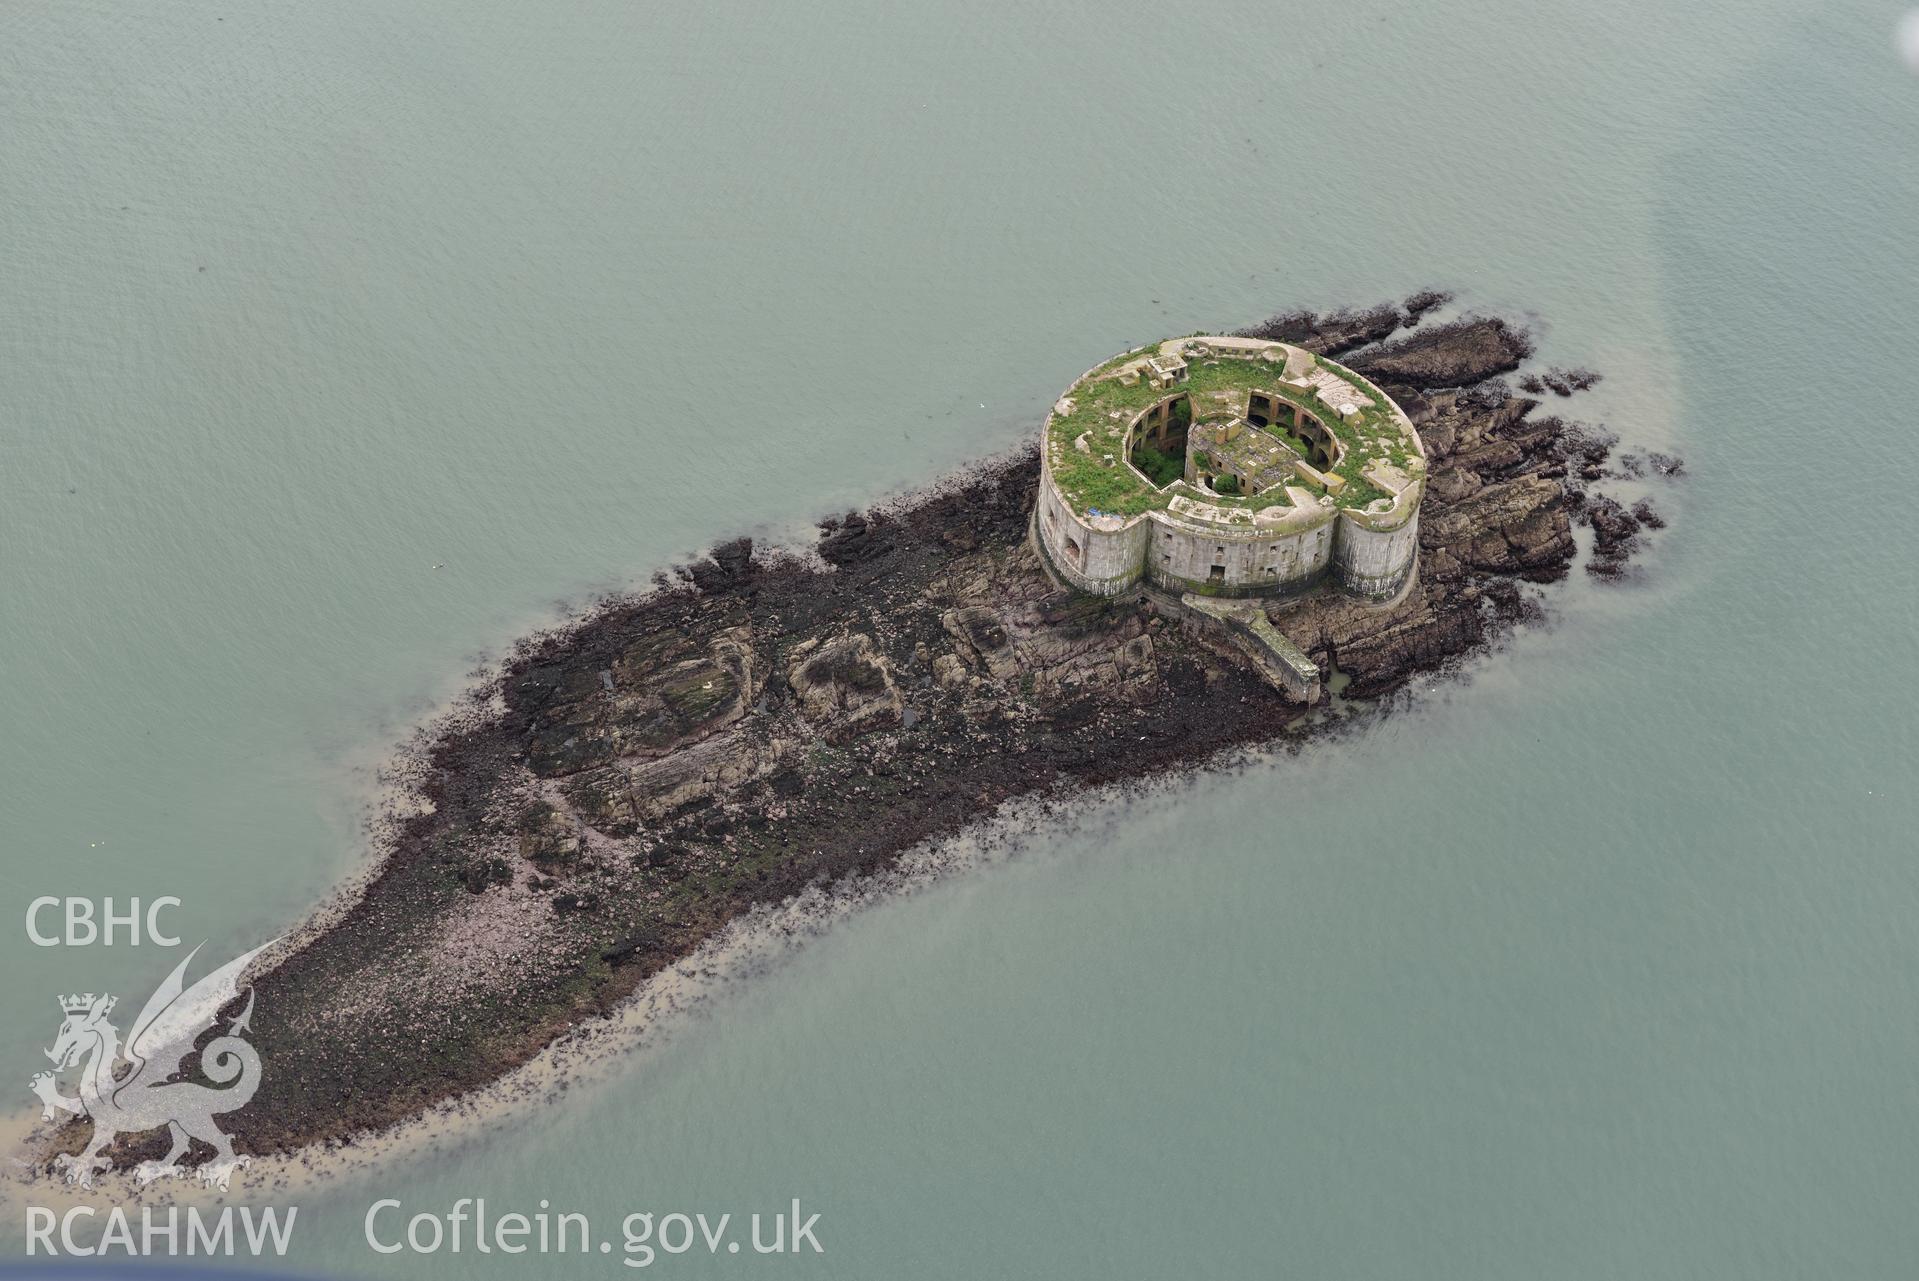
(340, 344)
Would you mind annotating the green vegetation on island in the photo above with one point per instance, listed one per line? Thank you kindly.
(1089, 450)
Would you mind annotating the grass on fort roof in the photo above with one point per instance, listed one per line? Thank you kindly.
(1090, 484)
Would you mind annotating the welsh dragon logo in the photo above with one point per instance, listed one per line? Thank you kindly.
(127, 1089)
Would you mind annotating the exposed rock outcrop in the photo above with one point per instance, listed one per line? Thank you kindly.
(845, 686)
(1450, 355)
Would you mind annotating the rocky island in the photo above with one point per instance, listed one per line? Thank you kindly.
(622, 787)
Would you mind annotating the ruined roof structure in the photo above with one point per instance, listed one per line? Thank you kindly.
(1229, 467)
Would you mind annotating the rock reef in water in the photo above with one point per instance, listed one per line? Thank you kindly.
(626, 785)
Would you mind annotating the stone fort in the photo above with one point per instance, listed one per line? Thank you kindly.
(1219, 467)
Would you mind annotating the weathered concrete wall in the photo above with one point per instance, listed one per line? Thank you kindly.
(1262, 562)
(1375, 563)
(1102, 555)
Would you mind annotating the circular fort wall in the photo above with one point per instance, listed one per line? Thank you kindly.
(1374, 561)
(1367, 555)
(1107, 555)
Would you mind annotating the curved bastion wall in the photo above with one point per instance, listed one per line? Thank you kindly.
(1374, 562)
(1281, 526)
